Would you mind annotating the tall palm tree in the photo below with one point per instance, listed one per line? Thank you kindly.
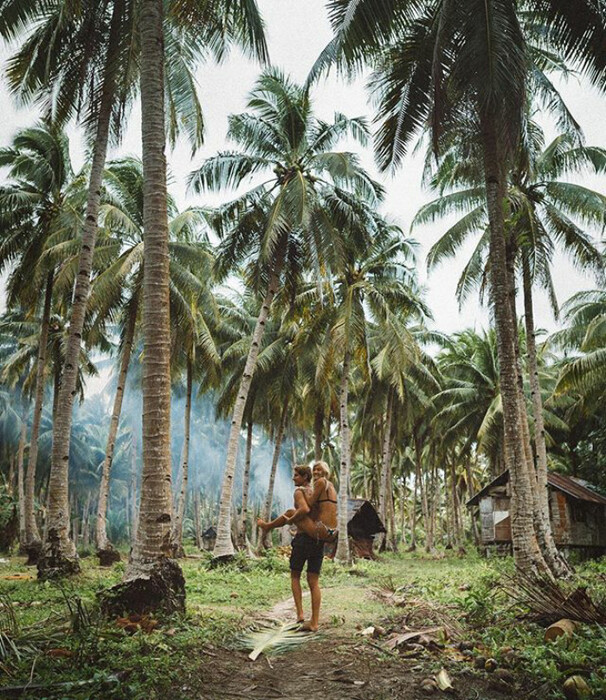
(40, 186)
(372, 282)
(438, 63)
(149, 560)
(285, 223)
(541, 204)
(117, 290)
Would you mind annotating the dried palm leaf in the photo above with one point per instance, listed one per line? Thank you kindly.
(273, 640)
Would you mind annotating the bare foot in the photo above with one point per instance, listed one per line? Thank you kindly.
(308, 627)
(262, 524)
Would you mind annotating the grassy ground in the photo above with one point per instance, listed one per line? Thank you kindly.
(53, 634)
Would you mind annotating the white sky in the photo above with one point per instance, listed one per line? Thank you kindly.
(296, 33)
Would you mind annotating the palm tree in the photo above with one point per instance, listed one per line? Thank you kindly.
(40, 187)
(540, 205)
(284, 223)
(372, 283)
(149, 560)
(442, 62)
(117, 291)
(104, 34)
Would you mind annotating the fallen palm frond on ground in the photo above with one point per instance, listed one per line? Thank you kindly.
(549, 601)
(420, 613)
(272, 640)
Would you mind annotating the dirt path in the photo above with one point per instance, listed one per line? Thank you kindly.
(337, 664)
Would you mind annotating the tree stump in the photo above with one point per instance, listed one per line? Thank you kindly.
(160, 587)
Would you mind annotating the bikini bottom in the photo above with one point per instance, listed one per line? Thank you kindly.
(325, 533)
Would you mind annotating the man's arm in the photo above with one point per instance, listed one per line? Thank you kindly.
(301, 507)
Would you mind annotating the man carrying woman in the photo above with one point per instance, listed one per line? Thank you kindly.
(315, 517)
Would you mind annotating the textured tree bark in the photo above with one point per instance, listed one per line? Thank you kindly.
(224, 547)
(419, 482)
(21, 485)
(32, 543)
(413, 512)
(392, 540)
(471, 494)
(556, 561)
(245, 487)
(152, 579)
(343, 553)
(197, 528)
(385, 462)
(265, 537)
(106, 552)
(318, 431)
(525, 548)
(177, 534)
(11, 476)
(59, 556)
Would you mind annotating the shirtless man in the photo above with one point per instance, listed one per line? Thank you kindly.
(313, 528)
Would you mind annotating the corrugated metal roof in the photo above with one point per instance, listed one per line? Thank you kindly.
(557, 481)
(574, 489)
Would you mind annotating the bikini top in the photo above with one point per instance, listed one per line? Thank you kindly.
(326, 500)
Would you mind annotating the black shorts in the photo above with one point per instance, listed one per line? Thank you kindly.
(306, 549)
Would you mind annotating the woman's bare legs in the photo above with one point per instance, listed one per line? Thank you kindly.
(306, 524)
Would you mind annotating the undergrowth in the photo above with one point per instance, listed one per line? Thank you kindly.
(53, 637)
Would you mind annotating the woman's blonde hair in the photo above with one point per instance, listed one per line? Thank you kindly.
(323, 466)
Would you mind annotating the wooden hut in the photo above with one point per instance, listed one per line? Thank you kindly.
(577, 513)
(363, 523)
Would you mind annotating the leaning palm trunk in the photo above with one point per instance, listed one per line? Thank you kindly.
(32, 543)
(525, 548)
(274, 468)
(224, 546)
(58, 554)
(177, 534)
(556, 561)
(385, 462)
(20, 484)
(343, 553)
(152, 579)
(245, 488)
(106, 552)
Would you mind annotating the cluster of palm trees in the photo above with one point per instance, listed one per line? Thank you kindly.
(332, 309)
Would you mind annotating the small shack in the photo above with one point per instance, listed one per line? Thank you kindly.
(209, 537)
(363, 523)
(577, 513)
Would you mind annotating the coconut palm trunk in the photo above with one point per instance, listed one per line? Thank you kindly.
(152, 579)
(413, 512)
(385, 462)
(177, 535)
(105, 551)
(343, 553)
(224, 547)
(32, 543)
(134, 511)
(21, 484)
(392, 539)
(197, 514)
(420, 484)
(318, 431)
(274, 468)
(245, 487)
(556, 562)
(59, 556)
(525, 549)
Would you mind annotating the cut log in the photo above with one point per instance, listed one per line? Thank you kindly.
(559, 628)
